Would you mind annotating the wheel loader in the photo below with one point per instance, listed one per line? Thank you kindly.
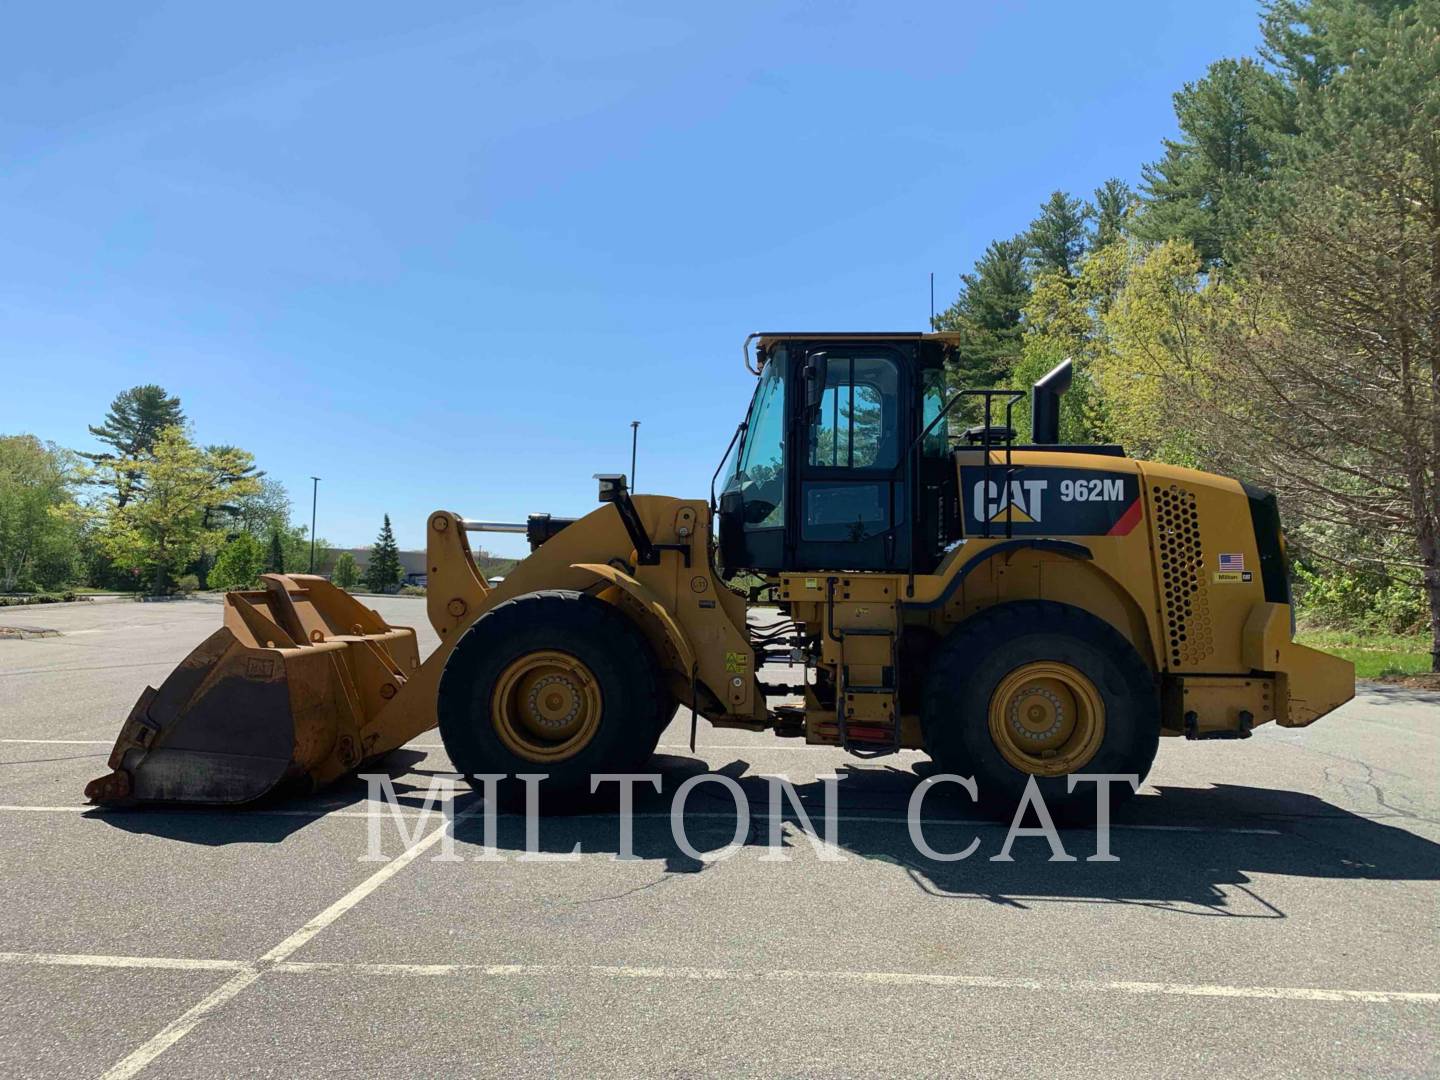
(1014, 609)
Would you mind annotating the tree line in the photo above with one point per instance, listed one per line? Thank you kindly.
(156, 511)
(1266, 303)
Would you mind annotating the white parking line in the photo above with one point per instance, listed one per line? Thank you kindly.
(172, 963)
(62, 742)
(944, 980)
(183, 1024)
(646, 815)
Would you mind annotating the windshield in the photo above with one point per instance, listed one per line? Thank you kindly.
(759, 474)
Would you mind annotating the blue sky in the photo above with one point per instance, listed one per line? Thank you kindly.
(442, 254)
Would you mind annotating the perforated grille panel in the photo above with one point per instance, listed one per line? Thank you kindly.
(1182, 575)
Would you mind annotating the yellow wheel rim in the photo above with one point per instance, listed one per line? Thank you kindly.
(546, 706)
(1047, 718)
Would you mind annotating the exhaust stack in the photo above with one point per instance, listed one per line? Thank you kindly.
(1045, 403)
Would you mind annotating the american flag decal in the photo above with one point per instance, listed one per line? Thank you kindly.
(1232, 562)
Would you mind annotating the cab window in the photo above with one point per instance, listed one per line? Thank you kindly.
(857, 426)
(760, 469)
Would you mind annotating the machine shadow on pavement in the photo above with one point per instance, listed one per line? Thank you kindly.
(270, 820)
(1193, 851)
(1287, 833)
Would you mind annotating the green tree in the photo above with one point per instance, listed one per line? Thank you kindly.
(162, 528)
(346, 573)
(1351, 265)
(1319, 355)
(1206, 189)
(988, 313)
(260, 512)
(384, 571)
(1113, 201)
(1065, 319)
(1058, 236)
(39, 516)
(1310, 41)
(1156, 355)
(296, 542)
(275, 561)
(240, 563)
(131, 427)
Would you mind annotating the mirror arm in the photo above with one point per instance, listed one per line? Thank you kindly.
(739, 431)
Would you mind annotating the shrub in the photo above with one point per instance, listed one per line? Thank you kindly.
(239, 563)
(346, 572)
(1356, 599)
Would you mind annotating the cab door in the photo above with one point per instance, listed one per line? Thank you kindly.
(848, 490)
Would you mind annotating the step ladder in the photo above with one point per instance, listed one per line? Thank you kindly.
(867, 705)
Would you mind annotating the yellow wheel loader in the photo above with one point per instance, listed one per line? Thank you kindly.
(1014, 610)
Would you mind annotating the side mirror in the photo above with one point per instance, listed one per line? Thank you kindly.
(731, 541)
(815, 367)
(612, 487)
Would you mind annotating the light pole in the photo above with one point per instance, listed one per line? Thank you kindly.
(314, 497)
(634, 445)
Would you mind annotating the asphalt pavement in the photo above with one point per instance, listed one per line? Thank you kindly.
(1273, 911)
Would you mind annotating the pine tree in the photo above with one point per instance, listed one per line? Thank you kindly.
(1207, 188)
(1113, 200)
(136, 418)
(987, 312)
(384, 571)
(275, 564)
(1058, 237)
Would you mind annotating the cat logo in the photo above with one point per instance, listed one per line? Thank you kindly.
(1022, 502)
(1069, 502)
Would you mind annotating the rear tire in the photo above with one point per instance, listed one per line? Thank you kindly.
(1041, 689)
(555, 682)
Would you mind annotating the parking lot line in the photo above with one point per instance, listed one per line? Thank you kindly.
(183, 1024)
(647, 815)
(90, 960)
(944, 980)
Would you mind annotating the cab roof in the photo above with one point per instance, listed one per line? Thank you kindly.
(768, 337)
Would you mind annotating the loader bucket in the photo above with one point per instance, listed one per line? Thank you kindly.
(282, 694)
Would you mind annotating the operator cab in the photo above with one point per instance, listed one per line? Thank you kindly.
(831, 471)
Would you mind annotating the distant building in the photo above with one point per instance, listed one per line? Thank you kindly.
(412, 562)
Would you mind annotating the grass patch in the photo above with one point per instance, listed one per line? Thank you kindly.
(1375, 655)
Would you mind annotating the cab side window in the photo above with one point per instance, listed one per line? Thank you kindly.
(857, 427)
(853, 450)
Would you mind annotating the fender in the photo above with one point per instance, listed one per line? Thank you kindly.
(650, 602)
(1008, 547)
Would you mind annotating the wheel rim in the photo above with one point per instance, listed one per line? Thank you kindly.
(1047, 718)
(546, 706)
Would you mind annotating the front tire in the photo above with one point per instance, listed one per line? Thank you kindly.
(555, 682)
(1044, 690)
